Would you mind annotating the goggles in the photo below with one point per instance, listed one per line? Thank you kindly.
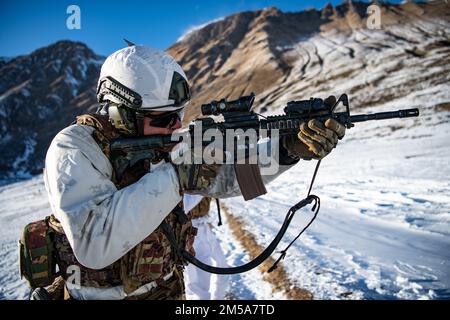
(164, 120)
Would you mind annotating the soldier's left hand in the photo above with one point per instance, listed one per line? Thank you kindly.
(321, 138)
(315, 139)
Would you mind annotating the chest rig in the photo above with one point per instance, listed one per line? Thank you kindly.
(151, 259)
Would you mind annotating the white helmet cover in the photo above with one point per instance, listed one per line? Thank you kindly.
(148, 72)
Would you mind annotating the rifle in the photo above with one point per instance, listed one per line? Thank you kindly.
(238, 114)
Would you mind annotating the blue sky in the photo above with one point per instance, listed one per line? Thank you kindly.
(28, 25)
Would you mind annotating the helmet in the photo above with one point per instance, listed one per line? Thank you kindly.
(138, 79)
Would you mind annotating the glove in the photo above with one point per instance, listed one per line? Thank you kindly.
(195, 177)
(315, 139)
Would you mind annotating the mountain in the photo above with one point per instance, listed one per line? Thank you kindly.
(40, 94)
(285, 56)
(3, 61)
(281, 56)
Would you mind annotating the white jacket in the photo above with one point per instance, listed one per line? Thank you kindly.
(102, 223)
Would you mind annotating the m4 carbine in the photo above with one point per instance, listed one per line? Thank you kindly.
(238, 114)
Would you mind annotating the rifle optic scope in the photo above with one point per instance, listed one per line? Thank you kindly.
(243, 104)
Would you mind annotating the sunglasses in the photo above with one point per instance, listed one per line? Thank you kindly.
(164, 120)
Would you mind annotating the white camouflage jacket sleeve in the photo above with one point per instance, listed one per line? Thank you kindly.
(101, 222)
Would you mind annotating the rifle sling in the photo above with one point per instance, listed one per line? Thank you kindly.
(263, 255)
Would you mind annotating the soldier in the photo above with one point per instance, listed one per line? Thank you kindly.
(108, 231)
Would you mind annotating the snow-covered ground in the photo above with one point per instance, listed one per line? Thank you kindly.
(384, 224)
(382, 232)
(22, 203)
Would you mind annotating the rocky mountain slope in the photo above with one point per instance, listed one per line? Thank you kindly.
(39, 95)
(284, 56)
(279, 56)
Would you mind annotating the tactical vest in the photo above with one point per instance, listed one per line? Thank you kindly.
(148, 261)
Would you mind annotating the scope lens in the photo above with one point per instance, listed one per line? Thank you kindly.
(207, 109)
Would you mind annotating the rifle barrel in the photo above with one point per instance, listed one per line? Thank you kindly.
(405, 113)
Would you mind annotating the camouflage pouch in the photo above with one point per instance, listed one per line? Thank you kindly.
(37, 262)
(149, 261)
(154, 258)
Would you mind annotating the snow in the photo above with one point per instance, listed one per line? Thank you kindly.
(190, 30)
(22, 203)
(56, 65)
(72, 82)
(5, 138)
(18, 165)
(44, 111)
(249, 285)
(97, 61)
(366, 64)
(382, 232)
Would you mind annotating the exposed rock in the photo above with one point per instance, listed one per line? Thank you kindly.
(285, 56)
(40, 94)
